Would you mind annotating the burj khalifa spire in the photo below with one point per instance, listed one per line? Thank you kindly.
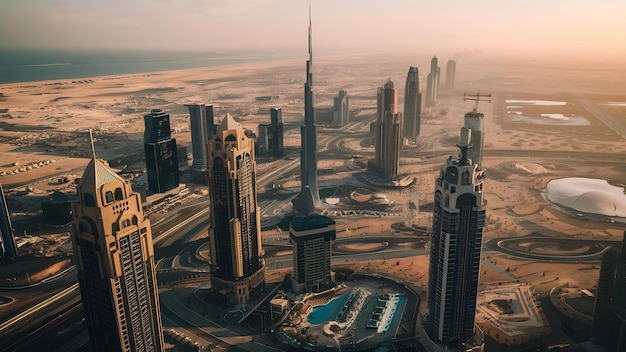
(308, 200)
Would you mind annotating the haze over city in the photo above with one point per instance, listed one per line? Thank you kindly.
(534, 28)
(205, 175)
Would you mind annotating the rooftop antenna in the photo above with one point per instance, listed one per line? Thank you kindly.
(476, 97)
(93, 149)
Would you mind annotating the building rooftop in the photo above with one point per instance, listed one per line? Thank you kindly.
(311, 222)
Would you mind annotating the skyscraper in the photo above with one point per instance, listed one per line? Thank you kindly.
(277, 146)
(308, 200)
(235, 230)
(609, 315)
(311, 238)
(114, 255)
(341, 109)
(161, 154)
(8, 248)
(432, 82)
(412, 106)
(386, 129)
(450, 74)
(202, 129)
(458, 220)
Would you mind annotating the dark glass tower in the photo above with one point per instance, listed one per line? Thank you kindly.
(114, 255)
(341, 109)
(8, 248)
(161, 154)
(202, 129)
(277, 146)
(458, 220)
(235, 230)
(308, 200)
(412, 105)
(609, 315)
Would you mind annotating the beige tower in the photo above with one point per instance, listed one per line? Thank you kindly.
(235, 231)
(114, 255)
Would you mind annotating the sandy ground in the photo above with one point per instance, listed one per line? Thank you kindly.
(47, 120)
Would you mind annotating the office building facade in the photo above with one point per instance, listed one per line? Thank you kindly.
(341, 109)
(387, 133)
(237, 268)
(202, 127)
(311, 238)
(456, 242)
(412, 106)
(609, 316)
(114, 256)
(161, 152)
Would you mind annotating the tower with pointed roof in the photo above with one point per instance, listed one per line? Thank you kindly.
(308, 200)
(237, 267)
(114, 255)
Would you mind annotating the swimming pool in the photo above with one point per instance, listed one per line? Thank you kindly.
(328, 311)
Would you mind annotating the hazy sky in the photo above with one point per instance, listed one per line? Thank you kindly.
(443, 26)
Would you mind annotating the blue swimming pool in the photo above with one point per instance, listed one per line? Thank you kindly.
(328, 311)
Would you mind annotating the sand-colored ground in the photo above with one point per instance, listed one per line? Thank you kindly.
(44, 119)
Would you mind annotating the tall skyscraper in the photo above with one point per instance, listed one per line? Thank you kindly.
(308, 200)
(450, 74)
(412, 106)
(235, 231)
(458, 220)
(114, 255)
(386, 129)
(341, 109)
(609, 315)
(202, 129)
(311, 238)
(277, 146)
(161, 154)
(432, 82)
(8, 248)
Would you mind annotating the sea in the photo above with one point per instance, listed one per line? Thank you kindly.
(39, 65)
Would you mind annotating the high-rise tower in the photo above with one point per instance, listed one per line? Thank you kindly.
(474, 123)
(311, 238)
(412, 106)
(609, 315)
(386, 130)
(202, 129)
(450, 74)
(276, 119)
(432, 82)
(458, 220)
(235, 230)
(341, 109)
(161, 153)
(114, 255)
(308, 200)
(8, 248)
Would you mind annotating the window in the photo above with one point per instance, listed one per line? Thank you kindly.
(108, 196)
(118, 194)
